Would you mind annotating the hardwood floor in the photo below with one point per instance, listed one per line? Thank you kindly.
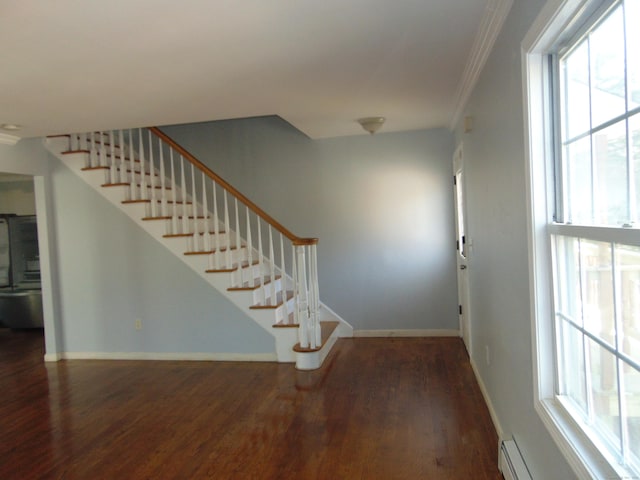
(378, 409)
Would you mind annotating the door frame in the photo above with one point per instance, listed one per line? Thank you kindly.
(463, 245)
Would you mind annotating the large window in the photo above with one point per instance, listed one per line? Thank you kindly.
(589, 248)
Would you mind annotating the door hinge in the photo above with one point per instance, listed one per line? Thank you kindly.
(460, 309)
(455, 180)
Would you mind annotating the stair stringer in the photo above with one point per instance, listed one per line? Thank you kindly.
(285, 338)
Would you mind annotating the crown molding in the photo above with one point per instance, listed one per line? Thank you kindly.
(494, 16)
(6, 139)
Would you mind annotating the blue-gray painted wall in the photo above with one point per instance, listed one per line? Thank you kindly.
(381, 205)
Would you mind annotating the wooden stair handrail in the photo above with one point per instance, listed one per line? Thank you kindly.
(220, 181)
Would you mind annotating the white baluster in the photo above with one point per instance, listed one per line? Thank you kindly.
(183, 189)
(93, 154)
(194, 211)
(174, 186)
(115, 178)
(144, 194)
(102, 154)
(132, 167)
(235, 201)
(124, 175)
(153, 195)
(303, 299)
(205, 209)
(260, 262)
(283, 279)
(82, 145)
(215, 231)
(164, 210)
(249, 240)
(227, 234)
(294, 275)
(272, 272)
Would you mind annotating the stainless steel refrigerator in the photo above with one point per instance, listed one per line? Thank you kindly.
(20, 288)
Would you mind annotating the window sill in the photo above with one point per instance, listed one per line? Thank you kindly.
(584, 458)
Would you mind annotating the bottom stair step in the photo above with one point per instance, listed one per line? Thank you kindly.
(326, 329)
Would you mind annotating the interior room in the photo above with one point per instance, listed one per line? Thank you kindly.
(340, 239)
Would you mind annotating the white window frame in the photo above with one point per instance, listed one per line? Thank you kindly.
(584, 457)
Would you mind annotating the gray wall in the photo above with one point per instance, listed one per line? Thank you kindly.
(382, 207)
(495, 187)
(26, 157)
(111, 273)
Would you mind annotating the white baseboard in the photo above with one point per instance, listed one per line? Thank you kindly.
(406, 333)
(193, 357)
(487, 400)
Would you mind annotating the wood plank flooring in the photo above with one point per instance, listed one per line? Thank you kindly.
(396, 408)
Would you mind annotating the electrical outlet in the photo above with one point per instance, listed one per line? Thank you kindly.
(486, 352)
(138, 324)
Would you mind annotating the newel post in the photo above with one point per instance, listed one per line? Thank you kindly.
(302, 298)
(307, 293)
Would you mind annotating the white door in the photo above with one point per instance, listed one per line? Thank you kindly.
(462, 248)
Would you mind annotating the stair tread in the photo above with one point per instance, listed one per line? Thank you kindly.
(69, 152)
(252, 285)
(165, 217)
(175, 235)
(104, 167)
(169, 217)
(267, 303)
(208, 252)
(326, 329)
(127, 184)
(147, 200)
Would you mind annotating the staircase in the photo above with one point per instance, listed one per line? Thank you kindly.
(264, 269)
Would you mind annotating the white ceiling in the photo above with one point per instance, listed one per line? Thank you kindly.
(78, 65)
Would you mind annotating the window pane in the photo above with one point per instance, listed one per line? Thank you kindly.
(567, 261)
(607, 69)
(579, 181)
(634, 129)
(576, 92)
(604, 391)
(631, 380)
(610, 170)
(572, 371)
(597, 289)
(628, 269)
(632, 14)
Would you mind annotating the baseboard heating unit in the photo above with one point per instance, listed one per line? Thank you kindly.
(511, 463)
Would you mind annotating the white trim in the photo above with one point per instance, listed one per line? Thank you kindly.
(487, 400)
(191, 357)
(626, 236)
(490, 25)
(6, 139)
(406, 333)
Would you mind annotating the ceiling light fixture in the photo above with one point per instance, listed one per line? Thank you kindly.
(371, 124)
(11, 127)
